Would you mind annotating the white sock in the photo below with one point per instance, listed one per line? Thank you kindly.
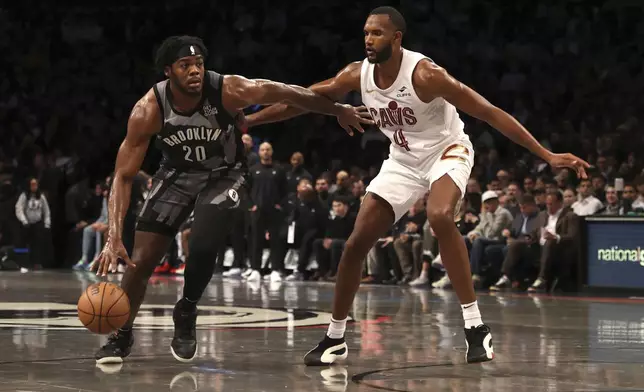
(337, 328)
(471, 315)
(423, 274)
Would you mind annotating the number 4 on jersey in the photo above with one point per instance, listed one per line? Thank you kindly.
(399, 139)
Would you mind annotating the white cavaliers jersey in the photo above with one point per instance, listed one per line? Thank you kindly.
(417, 130)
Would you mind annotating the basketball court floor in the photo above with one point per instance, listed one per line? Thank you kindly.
(253, 337)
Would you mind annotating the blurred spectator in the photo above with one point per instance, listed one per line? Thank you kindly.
(629, 193)
(638, 203)
(539, 194)
(342, 186)
(409, 244)
(599, 185)
(32, 210)
(587, 203)
(322, 189)
(522, 241)
(613, 206)
(253, 158)
(559, 233)
(512, 196)
(570, 197)
(268, 190)
(528, 184)
(504, 178)
(297, 172)
(329, 249)
(493, 221)
(306, 218)
(94, 233)
(357, 193)
(382, 259)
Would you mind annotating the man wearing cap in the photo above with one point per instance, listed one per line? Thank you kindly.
(493, 220)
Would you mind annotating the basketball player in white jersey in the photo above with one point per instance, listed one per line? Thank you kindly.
(414, 102)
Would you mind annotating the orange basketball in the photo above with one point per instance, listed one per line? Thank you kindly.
(103, 308)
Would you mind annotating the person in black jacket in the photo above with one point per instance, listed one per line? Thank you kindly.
(268, 190)
(304, 220)
(329, 249)
(297, 172)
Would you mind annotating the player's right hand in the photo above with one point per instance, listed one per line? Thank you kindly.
(351, 118)
(108, 259)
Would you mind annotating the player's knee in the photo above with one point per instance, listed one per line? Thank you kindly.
(440, 217)
(356, 245)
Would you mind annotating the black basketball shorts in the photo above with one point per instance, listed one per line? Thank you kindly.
(175, 194)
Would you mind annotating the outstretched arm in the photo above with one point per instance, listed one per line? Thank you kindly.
(347, 80)
(144, 122)
(432, 81)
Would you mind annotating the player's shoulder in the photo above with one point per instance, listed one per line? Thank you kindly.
(146, 109)
(351, 70)
(427, 70)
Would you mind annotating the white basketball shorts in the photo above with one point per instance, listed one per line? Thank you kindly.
(401, 185)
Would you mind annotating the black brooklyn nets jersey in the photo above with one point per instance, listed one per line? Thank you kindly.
(205, 139)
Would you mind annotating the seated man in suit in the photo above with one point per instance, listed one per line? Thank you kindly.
(559, 228)
(521, 241)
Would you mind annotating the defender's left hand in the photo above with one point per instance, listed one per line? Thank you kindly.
(570, 161)
(351, 117)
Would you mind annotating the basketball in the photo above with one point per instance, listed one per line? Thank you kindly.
(103, 308)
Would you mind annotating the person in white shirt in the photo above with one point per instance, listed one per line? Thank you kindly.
(587, 203)
(559, 228)
(415, 103)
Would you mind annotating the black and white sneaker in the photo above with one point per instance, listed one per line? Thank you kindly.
(479, 344)
(327, 352)
(118, 346)
(184, 343)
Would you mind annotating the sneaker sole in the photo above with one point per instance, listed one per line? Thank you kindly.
(327, 359)
(109, 360)
(183, 360)
(482, 358)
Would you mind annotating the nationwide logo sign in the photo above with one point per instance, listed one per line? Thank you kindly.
(37, 315)
(617, 254)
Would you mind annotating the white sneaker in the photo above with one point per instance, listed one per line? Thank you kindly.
(275, 276)
(254, 276)
(295, 277)
(422, 280)
(233, 273)
(442, 283)
(247, 273)
(438, 263)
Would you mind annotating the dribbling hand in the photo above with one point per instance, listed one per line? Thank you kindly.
(108, 259)
(351, 117)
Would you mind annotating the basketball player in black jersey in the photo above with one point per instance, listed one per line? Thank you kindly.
(195, 118)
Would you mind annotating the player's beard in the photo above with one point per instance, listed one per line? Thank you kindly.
(176, 83)
(383, 55)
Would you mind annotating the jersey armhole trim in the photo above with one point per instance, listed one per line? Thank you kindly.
(160, 103)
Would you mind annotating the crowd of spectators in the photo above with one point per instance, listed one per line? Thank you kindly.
(570, 71)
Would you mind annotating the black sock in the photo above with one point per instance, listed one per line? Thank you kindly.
(125, 331)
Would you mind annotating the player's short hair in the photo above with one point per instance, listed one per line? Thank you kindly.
(170, 47)
(394, 15)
